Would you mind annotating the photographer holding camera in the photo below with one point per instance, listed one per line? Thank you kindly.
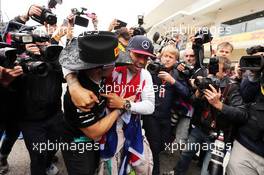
(39, 94)
(171, 88)
(247, 156)
(214, 111)
(41, 108)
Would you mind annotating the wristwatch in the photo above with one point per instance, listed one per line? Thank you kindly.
(127, 105)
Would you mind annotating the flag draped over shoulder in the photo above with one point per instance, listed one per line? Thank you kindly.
(133, 145)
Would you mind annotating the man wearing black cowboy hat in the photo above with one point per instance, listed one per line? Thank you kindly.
(93, 55)
(138, 51)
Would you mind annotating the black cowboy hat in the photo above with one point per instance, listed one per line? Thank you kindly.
(90, 50)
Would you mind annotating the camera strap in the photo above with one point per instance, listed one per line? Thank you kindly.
(226, 92)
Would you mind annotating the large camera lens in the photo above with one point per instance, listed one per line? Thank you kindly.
(49, 17)
(36, 67)
(204, 82)
(154, 68)
(51, 53)
(253, 62)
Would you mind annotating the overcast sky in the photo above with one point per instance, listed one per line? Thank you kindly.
(106, 10)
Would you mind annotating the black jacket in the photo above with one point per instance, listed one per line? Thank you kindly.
(40, 97)
(251, 134)
(232, 115)
(179, 90)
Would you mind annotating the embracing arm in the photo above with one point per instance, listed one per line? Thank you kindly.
(102, 126)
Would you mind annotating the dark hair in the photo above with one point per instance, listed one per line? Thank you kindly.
(156, 37)
(254, 49)
(123, 32)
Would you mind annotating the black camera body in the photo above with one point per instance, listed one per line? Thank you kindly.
(33, 66)
(213, 65)
(78, 19)
(188, 70)
(50, 53)
(156, 67)
(37, 65)
(40, 65)
(203, 36)
(11, 55)
(21, 35)
(7, 57)
(203, 83)
(46, 16)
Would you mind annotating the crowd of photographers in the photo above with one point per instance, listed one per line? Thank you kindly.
(127, 99)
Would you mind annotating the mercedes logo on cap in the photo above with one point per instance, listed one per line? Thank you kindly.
(145, 44)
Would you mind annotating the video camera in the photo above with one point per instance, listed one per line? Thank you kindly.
(30, 64)
(9, 59)
(18, 35)
(252, 62)
(27, 37)
(46, 16)
(81, 21)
